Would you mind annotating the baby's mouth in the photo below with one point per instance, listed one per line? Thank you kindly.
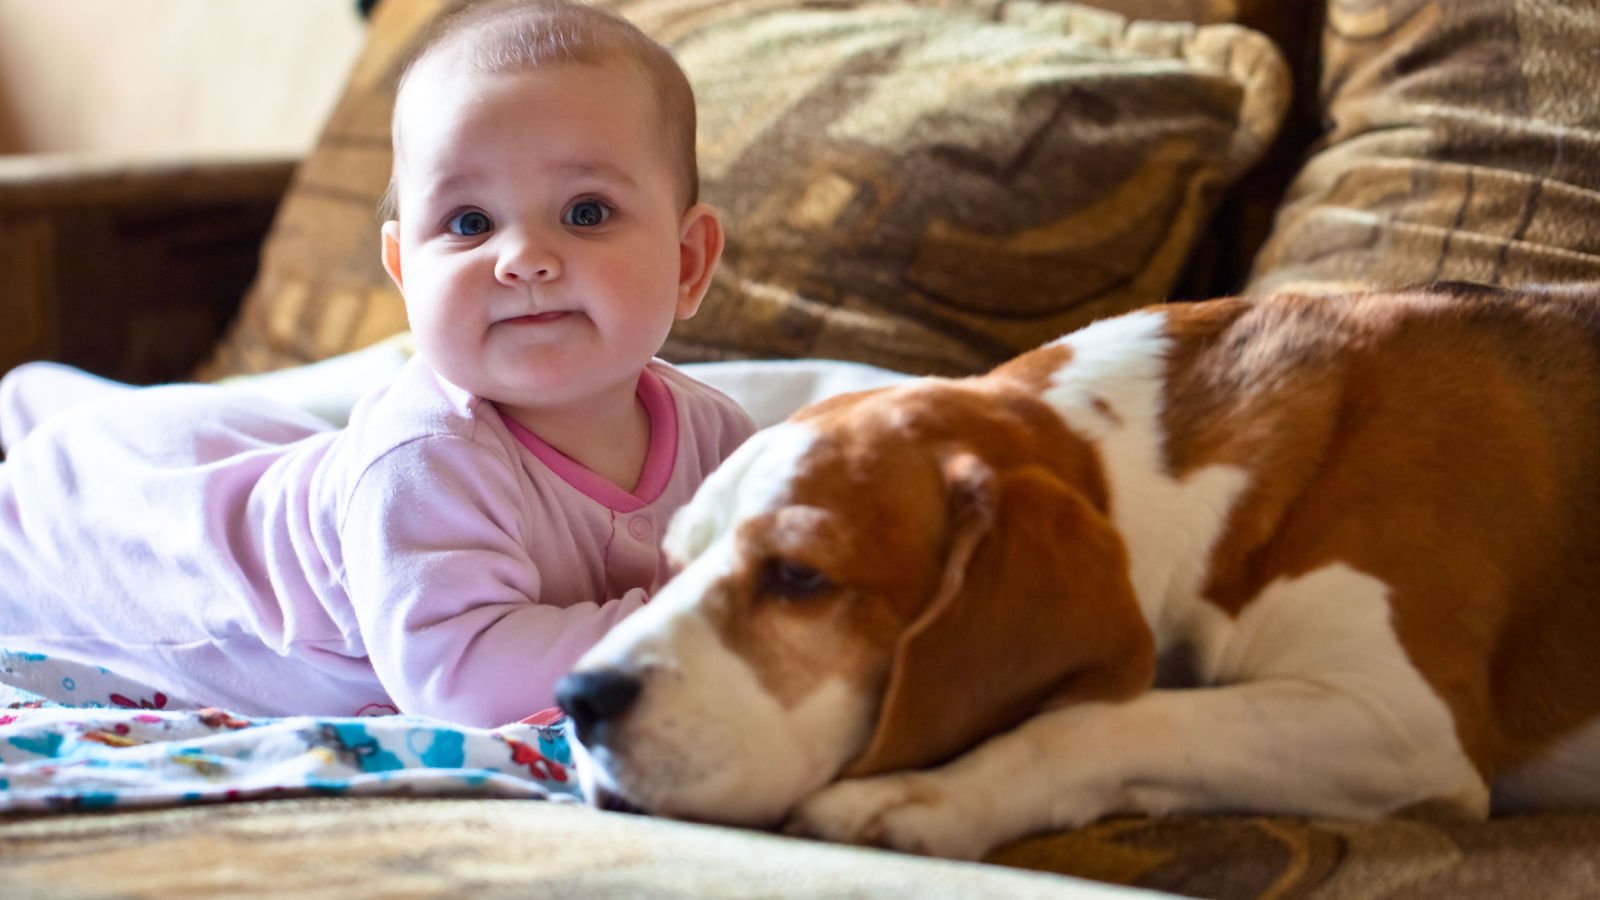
(535, 318)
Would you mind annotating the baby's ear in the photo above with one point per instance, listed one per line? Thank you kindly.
(391, 252)
(700, 242)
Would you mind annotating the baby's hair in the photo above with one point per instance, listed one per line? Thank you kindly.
(495, 36)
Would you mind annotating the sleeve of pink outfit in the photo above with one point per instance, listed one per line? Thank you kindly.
(453, 625)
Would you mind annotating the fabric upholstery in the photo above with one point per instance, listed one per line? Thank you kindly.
(395, 847)
(934, 190)
(1463, 143)
(923, 188)
(1221, 261)
(1256, 858)
(420, 847)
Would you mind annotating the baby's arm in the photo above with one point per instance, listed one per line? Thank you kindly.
(446, 595)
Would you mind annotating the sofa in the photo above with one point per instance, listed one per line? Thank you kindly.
(925, 187)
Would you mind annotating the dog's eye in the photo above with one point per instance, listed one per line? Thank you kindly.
(786, 578)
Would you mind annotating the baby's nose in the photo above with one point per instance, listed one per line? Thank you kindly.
(527, 263)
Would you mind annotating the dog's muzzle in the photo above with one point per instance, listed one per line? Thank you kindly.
(596, 700)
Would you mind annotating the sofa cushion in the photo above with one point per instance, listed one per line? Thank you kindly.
(354, 846)
(1463, 143)
(1219, 264)
(922, 188)
(934, 191)
(1424, 854)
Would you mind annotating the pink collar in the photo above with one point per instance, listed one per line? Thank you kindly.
(659, 459)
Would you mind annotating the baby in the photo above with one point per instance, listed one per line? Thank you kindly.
(483, 519)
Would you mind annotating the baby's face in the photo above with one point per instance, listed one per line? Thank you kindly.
(539, 230)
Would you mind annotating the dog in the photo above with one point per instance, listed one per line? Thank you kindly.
(1332, 556)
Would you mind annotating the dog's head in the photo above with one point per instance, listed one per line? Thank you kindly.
(874, 585)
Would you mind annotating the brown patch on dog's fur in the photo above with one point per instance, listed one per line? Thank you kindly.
(844, 632)
(871, 508)
(1445, 442)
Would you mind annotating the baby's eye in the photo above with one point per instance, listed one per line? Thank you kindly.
(470, 223)
(586, 214)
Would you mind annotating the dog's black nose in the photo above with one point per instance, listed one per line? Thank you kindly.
(595, 698)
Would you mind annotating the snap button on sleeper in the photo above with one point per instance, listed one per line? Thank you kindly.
(640, 528)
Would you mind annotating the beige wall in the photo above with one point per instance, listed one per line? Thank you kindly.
(171, 77)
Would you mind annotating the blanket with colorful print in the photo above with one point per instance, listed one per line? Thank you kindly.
(75, 737)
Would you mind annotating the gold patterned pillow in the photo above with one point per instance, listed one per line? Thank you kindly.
(1220, 263)
(1464, 144)
(936, 190)
(928, 189)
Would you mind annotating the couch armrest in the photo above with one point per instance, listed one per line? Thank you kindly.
(130, 269)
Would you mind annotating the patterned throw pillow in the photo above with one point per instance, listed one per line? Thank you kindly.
(936, 190)
(1464, 144)
(1220, 263)
(927, 189)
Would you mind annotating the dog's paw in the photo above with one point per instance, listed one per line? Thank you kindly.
(910, 813)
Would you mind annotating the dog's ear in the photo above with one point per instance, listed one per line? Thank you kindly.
(1034, 607)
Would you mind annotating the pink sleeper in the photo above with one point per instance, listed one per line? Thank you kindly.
(432, 557)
